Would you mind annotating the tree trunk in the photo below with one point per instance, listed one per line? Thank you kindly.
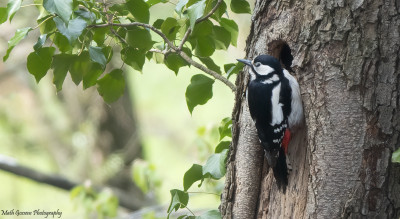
(347, 63)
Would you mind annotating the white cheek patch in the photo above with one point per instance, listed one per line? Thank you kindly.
(252, 74)
(264, 70)
(271, 80)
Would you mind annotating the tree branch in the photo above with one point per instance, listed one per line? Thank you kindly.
(175, 49)
(12, 166)
(210, 13)
(189, 30)
(170, 44)
(208, 71)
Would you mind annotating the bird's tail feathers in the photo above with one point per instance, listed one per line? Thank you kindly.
(281, 170)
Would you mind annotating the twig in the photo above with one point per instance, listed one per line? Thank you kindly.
(190, 210)
(208, 193)
(208, 71)
(189, 30)
(175, 49)
(210, 13)
(118, 36)
(43, 22)
(201, 67)
(158, 51)
(141, 25)
(23, 6)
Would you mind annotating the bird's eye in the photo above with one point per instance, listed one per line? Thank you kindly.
(257, 64)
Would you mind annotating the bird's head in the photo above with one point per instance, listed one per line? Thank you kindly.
(263, 66)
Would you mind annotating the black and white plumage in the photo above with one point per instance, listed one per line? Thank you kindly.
(275, 105)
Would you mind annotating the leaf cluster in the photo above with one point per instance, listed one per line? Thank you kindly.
(214, 168)
(80, 37)
(104, 203)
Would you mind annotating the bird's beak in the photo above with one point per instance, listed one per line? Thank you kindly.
(245, 61)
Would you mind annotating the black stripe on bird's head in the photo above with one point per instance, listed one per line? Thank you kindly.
(263, 65)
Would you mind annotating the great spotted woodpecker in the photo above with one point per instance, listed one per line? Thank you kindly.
(276, 108)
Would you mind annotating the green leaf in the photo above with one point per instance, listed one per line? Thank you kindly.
(222, 37)
(80, 65)
(194, 174)
(60, 66)
(111, 86)
(40, 42)
(3, 15)
(179, 199)
(205, 46)
(72, 30)
(179, 6)
(140, 38)
(87, 15)
(20, 34)
(170, 28)
(157, 24)
(199, 91)
(63, 8)
(139, 9)
(120, 8)
(62, 42)
(215, 165)
(212, 214)
(174, 62)
(210, 64)
(232, 28)
(90, 77)
(133, 57)
(149, 55)
(39, 62)
(220, 11)
(183, 24)
(204, 28)
(99, 35)
(240, 6)
(222, 146)
(96, 55)
(154, 2)
(195, 12)
(396, 156)
(108, 53)
(12, 7)
(232, 68)
(225, 128)
(191, 2)
(47, 27)
(76, 191)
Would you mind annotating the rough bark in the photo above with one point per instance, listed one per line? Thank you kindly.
(347, 63)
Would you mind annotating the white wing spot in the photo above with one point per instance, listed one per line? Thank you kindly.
(277, 114)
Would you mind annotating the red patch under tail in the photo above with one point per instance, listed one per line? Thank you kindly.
(286, 140)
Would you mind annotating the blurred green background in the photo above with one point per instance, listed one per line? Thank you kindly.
(74, 134)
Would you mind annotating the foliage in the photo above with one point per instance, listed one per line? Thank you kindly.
(82, 36)
(214, 169)
(102, 204)
(396, 156)
(144, 175)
